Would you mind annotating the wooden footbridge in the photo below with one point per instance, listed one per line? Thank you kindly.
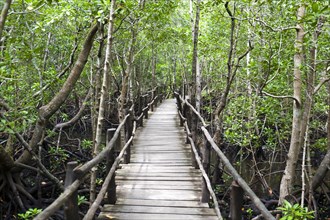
(157, 176)
(159, 182)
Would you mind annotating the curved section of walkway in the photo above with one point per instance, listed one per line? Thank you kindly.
(160, 182)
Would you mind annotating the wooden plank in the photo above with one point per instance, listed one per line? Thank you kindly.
(159, 210)
(143, 216)
(159, 178)
(160, 163)
(155, 174)
(167, 203)
(159, 194)
(160, 182)
(157, 186)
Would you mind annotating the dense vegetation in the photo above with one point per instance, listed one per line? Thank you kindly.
(258, 72)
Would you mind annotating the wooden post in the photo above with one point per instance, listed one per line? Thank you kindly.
(71, 210)
(206, 166)
(111, 192)
(193, 160)
(152, 106)
(129, 131)
(236, 201)
(141, 121)
(140, 105)
(179, 104)
(152, 97)
(145, 112)
(185, 112)
(160, 97)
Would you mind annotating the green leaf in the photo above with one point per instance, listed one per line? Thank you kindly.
(315, 7)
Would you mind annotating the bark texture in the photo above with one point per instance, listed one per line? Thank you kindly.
(46, 111)
(292, 157)
(104, 96)
(3, 16)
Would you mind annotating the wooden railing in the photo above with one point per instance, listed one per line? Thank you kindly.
(189, 117)
(76, 175)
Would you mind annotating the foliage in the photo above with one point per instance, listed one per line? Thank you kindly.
(58, 157)
(81, 199)
(295, 212)
(86, 144)
(29, 214)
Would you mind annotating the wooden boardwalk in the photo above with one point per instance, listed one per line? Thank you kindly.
(160, 182)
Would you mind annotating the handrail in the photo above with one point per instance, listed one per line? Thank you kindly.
(91, 212)
(255, 199)
(204, 174)
(81, 171)
(58, 203)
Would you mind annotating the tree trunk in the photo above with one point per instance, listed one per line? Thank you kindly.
(46, 111)
(195, 63)
(127, 74)
(292, 158)
(325, 164)
(104, 95)
(3, 16)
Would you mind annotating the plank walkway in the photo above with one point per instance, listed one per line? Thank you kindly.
(160, 182)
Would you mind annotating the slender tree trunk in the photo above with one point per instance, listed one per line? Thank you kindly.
(310, 91)
(195, 64)
(3, 16)
(292, 157)
(46, 111)
(154, 63)
(127, 74)
(324, 167)
(96, 83)
(104, 95)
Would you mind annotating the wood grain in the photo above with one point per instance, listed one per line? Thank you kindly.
(160, 182)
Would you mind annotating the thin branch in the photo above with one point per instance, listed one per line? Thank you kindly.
(35, 157)
(78, 115)
(3, 16)
(62, 72)
(276, 29)
(281, 97)
(318, 87)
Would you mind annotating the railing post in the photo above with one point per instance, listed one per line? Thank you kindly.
(187, 116)
(145, 112)
(111, 192)
(152, 97)
(140, 104)
(160, 95)
(206, 165)
(236, 201)
(71, 210)
(141, 121)
(179, 104)
(129, 131)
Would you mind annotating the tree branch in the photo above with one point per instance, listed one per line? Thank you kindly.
(276, 29)
(3, 16)
(318, 87)
(281, 97)
(66, 68)
(78, 115)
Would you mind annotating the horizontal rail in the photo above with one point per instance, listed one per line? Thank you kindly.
(255, 199)
(58, 203)
(91, 212)
(204, 174)
(81, 171)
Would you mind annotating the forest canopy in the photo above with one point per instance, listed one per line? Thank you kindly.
(256, 71)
